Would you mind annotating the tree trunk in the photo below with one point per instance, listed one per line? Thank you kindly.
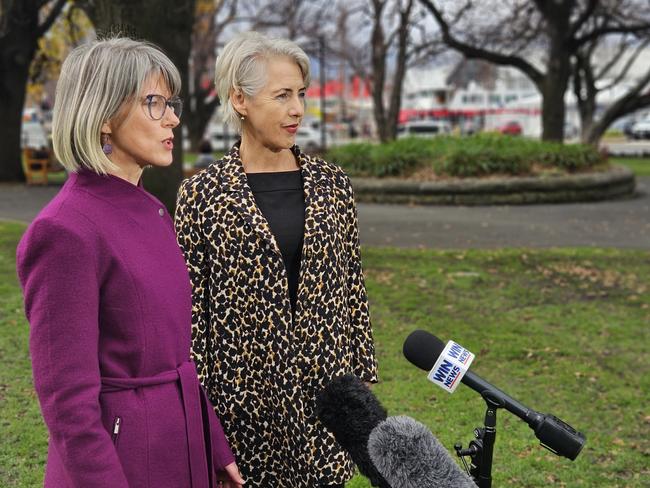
(197, 120)
(16, 52)
(169, 26)
(594, 132)
(634, 99)
(625, 105)
(555, 82)
(19, 34)
(586, 109)
(553, 109)
(400, 69)
(379, 73)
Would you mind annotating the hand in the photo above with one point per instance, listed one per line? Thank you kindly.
(230, 477)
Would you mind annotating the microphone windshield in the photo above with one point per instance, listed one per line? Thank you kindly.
(408, 455)
(422, 349)
(350, 411)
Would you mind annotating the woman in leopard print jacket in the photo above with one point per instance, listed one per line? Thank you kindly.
(280, 307)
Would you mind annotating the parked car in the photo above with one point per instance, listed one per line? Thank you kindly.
(641, 129)
(423, 128)
(309, 139)
(221, 137)
(626, 127)
(512, 128)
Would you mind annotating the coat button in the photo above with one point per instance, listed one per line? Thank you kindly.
(161, 212)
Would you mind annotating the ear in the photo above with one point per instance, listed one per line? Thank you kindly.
(238, 101)
(106, 128)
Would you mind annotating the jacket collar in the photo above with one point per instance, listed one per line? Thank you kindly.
(234, 183)
(234, 180)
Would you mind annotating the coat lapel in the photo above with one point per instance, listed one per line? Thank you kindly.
(316, 191)
(235, 184)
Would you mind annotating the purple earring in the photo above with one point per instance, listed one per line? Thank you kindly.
(106, 146)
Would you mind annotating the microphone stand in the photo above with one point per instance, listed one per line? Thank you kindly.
(481, 449)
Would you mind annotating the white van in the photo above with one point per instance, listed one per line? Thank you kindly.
(423, 128)
(220, 136)
(309, 139)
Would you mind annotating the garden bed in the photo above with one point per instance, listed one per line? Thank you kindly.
(480, 170)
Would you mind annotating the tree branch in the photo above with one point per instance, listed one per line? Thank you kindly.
(622, 47)
(620, 29)
(628, 65)
(476, 52)
(51, 17)
(584, 16)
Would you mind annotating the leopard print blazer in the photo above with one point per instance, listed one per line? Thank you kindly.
(261, 364)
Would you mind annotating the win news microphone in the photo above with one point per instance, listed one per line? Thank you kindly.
(409, 456)
(448, 365)
(393, 452)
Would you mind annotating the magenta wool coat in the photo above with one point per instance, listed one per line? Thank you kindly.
(108, 299)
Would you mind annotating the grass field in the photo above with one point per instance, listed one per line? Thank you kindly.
(640, 166)
(563, 331)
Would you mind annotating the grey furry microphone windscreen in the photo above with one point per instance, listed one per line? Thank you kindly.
(397, 452)
(408, 455)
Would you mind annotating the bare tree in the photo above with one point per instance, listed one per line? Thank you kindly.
(298, 20)
(211, 19)
(336, 31)
(509, 33)
(591, 78)
(22, 23)
(386, 117)
(398, 40)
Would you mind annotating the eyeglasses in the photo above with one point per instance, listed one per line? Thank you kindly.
(157, 104)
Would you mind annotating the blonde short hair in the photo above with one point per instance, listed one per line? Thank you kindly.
(97, 80)
(242, 65)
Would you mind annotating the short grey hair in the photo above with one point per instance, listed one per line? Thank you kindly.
(98, 80)
(242, 66)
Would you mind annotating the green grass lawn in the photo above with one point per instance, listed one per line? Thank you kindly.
(640, 166)
(563, 331)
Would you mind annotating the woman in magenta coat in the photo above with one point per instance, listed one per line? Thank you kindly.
(107, 292)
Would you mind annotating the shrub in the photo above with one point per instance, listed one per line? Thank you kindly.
(396, 158)
(487, 154)
(478, 155)
(570, 157)
(354, 158)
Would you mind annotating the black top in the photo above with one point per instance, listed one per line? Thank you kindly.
(281, 199)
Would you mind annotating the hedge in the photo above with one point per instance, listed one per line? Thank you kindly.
(474, 156)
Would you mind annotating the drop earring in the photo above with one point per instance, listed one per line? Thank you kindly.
(106, 145)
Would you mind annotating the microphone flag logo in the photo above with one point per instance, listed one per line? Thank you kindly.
(451, 366)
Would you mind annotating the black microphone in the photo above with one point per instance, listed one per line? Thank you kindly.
(425, 351)
(408, 455)
(350, 411)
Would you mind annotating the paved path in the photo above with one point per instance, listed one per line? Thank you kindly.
(622, 224)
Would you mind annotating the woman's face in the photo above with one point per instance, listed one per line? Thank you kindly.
(274, 114)
(139, 139)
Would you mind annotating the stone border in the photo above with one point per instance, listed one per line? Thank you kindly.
(618, 182)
